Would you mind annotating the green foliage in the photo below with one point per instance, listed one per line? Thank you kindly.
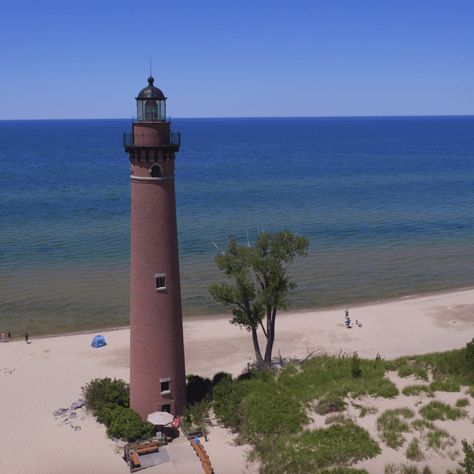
(413, 451)
(258, 283)
(105, 414)
(449, 369)
(444, 385)
(221, 377)
(416, 390)
(391, 426)
(356, 370)
(469, 355)
(197, 388)
(413, 369)
(330, 404)
(312, 451)
(271, 409)
(194, 416)
(227, 399)
(468, 463)
(438, 439)
(462, 402)
(436, 410)
(106, 392)
(128, 425)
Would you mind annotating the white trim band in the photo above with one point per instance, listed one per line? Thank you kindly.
(149, 178)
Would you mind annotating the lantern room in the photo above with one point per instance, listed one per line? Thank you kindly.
(151, 104)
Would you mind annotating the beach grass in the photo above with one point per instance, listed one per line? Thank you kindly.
(437, 410)
(462, 402)
(340, 445)
(413, 451)
(392, 424)
(417, 389)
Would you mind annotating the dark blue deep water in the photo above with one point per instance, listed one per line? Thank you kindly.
(387, 204)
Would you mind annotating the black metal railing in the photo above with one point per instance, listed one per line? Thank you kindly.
(131, 139)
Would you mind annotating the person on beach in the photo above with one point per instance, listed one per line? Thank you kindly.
(9, 335)
(27, 339)
(347, 322)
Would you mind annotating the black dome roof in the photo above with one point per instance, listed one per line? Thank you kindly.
(150, 91)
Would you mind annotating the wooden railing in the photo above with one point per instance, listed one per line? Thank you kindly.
(203, 456)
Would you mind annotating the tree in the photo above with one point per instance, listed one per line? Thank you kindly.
(259, 284)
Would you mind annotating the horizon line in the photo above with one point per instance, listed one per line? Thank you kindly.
(250, 117)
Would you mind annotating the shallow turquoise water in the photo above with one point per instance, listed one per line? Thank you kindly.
(387, 204)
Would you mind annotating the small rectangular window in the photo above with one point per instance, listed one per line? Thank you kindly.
(165, 385)
(160, 281)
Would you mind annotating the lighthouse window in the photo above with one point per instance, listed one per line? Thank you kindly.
(160, 281)
(155, 172)
(151, 110)
(165, 386)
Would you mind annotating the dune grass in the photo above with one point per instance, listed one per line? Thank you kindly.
(406, 469)
(413, 451)
(270, 410)
(339, 446)
(437, 410)
(417, 370)
(462, 402)
(392, 424)
(417, 389)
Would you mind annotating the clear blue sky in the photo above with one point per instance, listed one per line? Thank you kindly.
(88, 59)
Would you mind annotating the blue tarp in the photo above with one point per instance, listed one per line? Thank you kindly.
(98, 341)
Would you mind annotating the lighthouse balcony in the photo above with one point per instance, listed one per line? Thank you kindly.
(171, 140)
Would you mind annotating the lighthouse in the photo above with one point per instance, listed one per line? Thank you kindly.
(157, 375)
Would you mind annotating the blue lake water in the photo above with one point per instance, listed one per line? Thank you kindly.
(387, 204)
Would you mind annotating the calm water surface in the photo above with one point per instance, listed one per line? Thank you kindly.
(387, 204)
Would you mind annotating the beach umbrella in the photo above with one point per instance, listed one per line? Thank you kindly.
(160, 418)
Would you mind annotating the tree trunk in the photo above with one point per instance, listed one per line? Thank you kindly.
(271, 316)
(256, 346)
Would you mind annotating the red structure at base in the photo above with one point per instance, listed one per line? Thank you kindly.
(157, 374)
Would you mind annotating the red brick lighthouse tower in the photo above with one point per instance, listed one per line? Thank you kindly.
(157, 377)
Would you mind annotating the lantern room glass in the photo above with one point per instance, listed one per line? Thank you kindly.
(151, 110)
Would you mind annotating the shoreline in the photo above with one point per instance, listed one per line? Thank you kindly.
(291, 310)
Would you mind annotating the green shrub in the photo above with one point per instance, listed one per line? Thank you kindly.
(128, 425)
(221, 377)
(197, 388)
(391, 426)
(105, 414)
(436, 410)
(99, 392)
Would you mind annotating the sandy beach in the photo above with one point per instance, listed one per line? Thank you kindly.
(47, 374)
